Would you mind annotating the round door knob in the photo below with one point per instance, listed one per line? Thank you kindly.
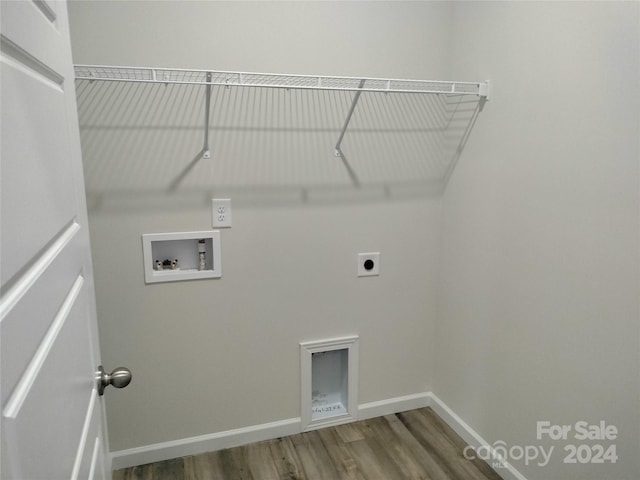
(119, 378)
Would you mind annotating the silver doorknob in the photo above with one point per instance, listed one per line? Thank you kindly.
(119, 378)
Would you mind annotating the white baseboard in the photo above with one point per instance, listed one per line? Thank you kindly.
(504, 468)
(256, 433)
(393, 405)
(204, 443)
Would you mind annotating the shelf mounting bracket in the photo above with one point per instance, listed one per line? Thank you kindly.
(206, 152)
(356, 97)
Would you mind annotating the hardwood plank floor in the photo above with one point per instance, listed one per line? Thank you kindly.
(410, 445)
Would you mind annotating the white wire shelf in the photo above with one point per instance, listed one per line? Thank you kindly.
(271, 80)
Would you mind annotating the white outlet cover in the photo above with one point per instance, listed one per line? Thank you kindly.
(221, 212)
(368, 264)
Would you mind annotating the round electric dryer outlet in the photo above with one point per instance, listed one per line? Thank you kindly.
(368, 264)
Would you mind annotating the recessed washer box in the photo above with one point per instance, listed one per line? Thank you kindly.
(171, 257)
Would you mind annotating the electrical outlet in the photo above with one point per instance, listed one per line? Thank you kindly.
(368, 264)
(221, 212)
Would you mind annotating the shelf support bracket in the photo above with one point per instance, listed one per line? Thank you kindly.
(338, 149)
(484, 90)
(206, 152)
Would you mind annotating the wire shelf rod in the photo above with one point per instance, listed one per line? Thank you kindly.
(275, 80)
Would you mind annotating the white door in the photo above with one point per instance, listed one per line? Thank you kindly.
(52, 418)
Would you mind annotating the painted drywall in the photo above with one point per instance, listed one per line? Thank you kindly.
(539, 298)
(210, 356)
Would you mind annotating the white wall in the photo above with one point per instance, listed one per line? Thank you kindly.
(209, 356)
(539, 299)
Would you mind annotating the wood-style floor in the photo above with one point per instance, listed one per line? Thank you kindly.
(411, 445)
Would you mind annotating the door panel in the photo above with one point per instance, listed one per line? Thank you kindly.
(39, 144)
(26, 322)
(28, 422)
(39, 37)
(52, 424)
